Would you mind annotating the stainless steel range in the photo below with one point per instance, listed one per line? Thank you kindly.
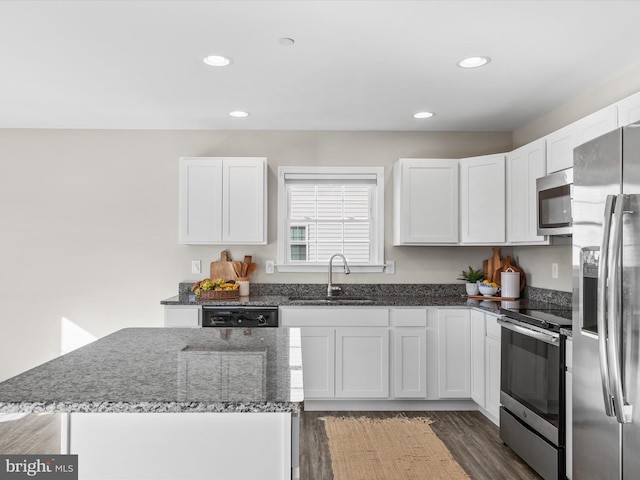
(532, 384)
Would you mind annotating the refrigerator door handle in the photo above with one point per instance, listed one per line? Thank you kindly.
(614, 322)
(603, 269)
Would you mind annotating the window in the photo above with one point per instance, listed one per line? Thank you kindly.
(327, 210)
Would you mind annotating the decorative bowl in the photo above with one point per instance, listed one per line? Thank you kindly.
(488, 290)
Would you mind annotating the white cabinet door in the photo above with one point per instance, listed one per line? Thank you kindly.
(524, 166)
(629, 110)
(492, 367)
(425, 201)
(362, 362)
(482, 199)
(244, 201)
(223, 200)
(560, 144)
(492, 374)
(200, 201)
(318, 362)
(454, 353)
(478, 334)
(596, 124)
(182, 316)
(410, 362)
(409, 352)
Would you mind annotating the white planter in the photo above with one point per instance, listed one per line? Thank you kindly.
(472, 288)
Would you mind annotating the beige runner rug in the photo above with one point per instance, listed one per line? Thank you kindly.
(398, 448)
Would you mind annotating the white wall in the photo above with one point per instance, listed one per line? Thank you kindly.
(610, 92)
(89, 221)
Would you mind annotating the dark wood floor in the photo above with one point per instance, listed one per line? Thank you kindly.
(473, 441)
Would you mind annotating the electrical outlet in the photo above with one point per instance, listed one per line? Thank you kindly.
(270, 267)
(196, 267)
(390, 267)
(554, 270)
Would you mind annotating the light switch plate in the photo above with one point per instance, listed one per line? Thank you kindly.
(390, 267)
(196, 266)
(270, 267)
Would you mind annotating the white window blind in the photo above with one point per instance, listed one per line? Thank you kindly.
(331, 212)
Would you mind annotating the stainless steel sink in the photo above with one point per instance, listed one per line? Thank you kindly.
(338, 299)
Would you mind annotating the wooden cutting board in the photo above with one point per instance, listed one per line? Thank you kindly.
(227, 269)
(491, 265)
(223, 268)
(508, 265)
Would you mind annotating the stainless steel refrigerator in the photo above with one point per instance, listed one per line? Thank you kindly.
(606, 319)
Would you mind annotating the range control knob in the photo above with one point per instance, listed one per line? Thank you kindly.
(262, 320)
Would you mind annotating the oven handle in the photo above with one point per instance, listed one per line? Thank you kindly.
(551, 338)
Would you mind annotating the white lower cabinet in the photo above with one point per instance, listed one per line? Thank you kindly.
(478, 334)
(362, 362)
(454, 353)
(345, 351)
(492, 373)
(400, 353)
(182, 316)
(409, 352)
(202, 446)
(485, 363)
(318, 359)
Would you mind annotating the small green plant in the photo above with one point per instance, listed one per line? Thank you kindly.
(471, 276)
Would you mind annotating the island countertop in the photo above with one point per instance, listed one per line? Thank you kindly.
(167, 370)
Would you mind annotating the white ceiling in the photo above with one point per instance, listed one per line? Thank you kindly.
(355, 65)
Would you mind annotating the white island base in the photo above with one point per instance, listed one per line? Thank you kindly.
(183, 446)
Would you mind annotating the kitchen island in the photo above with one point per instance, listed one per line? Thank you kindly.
(173, 403)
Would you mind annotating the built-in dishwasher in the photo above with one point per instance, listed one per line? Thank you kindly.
(239, 316)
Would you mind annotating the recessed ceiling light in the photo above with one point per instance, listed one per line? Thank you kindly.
(286, 41)
(423, 115)
(217, 60)
(239, 114)
(473, 62)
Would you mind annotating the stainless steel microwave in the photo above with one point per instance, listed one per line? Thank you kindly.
(553, 194)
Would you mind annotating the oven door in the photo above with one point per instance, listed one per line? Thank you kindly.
(530, 377)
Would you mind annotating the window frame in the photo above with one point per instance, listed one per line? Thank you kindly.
(376, 263)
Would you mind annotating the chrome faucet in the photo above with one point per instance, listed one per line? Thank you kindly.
(331, 290)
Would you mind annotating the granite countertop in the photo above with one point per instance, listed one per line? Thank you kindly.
(378, 301)
(381, 295)
(167, 370)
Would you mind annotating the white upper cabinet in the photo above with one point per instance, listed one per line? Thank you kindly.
(482, 200)
(425, 201)
(223, 200)
(560, 144)
(524, 166)
(629, 110)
